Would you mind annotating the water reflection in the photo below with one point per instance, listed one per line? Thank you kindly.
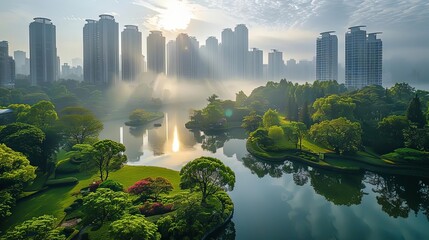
(303, 202)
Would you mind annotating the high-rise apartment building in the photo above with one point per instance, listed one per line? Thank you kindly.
(363, 58)
(187, 60)
(22, 65)
(101, 50)
(227, 53)
(7, 65)
(156, 52)
(327, 57)
(211, 58)
(171, 58)
(276, 65)
(241, 48)
(255, 64)
(131, 48)
(43, 52)
(375, 59)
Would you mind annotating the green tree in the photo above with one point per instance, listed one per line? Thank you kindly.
(208, 174)
(271, 118)
(417, 138)
(298, 132)
(240, 99)
(341, 134)
(391, 130)
(105, 205)
(213, 98)
(414, 112)
(292, 109)
(251, 122)
(402, 92)
(15, 172)
(276, 133)
(106, 153)
(26, 139)
(332, 107)
(131, 227)
(41, 115)
(160, 186)
(38, 228)
(78, 125)
(212, 114)
(304, 115)
(112, 185)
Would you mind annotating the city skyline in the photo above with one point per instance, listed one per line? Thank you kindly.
(290, 28)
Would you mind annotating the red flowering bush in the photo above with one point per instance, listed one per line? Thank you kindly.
(149, 187)
(156, 208)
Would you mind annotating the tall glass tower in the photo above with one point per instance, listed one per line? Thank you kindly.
(327, 57)
(43, 52)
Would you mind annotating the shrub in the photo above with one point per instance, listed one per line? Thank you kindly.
(62, 182)
(94, 185)
(156, 208)
(66, 166)
(112, 185)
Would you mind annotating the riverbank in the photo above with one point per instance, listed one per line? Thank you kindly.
(353, 164)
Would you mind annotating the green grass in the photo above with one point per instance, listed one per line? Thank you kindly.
(54, 200)
(313, 147)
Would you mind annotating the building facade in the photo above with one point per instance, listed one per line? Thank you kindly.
(276, 65)
(363, 57)
(156, 52)
(327, 57)
(101, 50)
(255, 64)
(131, 49)
(7, 65)
(43, 52)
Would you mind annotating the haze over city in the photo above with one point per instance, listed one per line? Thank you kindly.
(290, 26)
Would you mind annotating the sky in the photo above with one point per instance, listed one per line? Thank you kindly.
(290, 26)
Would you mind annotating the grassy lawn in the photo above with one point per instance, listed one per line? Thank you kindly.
(54, 200)
(313, 147)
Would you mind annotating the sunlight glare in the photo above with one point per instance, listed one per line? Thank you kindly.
(176, 16)
(176, 144)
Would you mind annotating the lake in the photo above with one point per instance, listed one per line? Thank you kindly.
(284, 200)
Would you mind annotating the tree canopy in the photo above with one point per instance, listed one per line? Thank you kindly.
(332, 107)
(79, 125)
(107, 153)
(414, 112)
(208, 175)
(132, 227)
(26, 139)
(341, 134)
(271, 118)
(15, 172)
(37, 228)
(105, 204)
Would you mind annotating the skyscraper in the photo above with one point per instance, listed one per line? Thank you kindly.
(7, 65)
(327, 57)
(363, 58)
(156, 52)
(186, 57)
(255, 64)
(275, 65)
(241, 48)
(131, 53)
(101, 50)
(212, 58)
(43, 51)
(21, 66)
(90, 52)
(171, 58)
(375, 59)
(227, 52)
(356, 58)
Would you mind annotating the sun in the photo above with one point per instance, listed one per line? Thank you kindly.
(176, 16)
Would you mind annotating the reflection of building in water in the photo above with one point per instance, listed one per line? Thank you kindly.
(157, 140)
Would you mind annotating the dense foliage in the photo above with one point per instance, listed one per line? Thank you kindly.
(38, 228)
(208, 175)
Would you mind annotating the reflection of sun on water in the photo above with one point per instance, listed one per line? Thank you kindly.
(176, 144)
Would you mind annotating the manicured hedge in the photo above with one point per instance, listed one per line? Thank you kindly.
(66, 166)
(62, 182)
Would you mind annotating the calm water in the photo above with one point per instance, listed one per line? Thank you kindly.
(288, 200)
